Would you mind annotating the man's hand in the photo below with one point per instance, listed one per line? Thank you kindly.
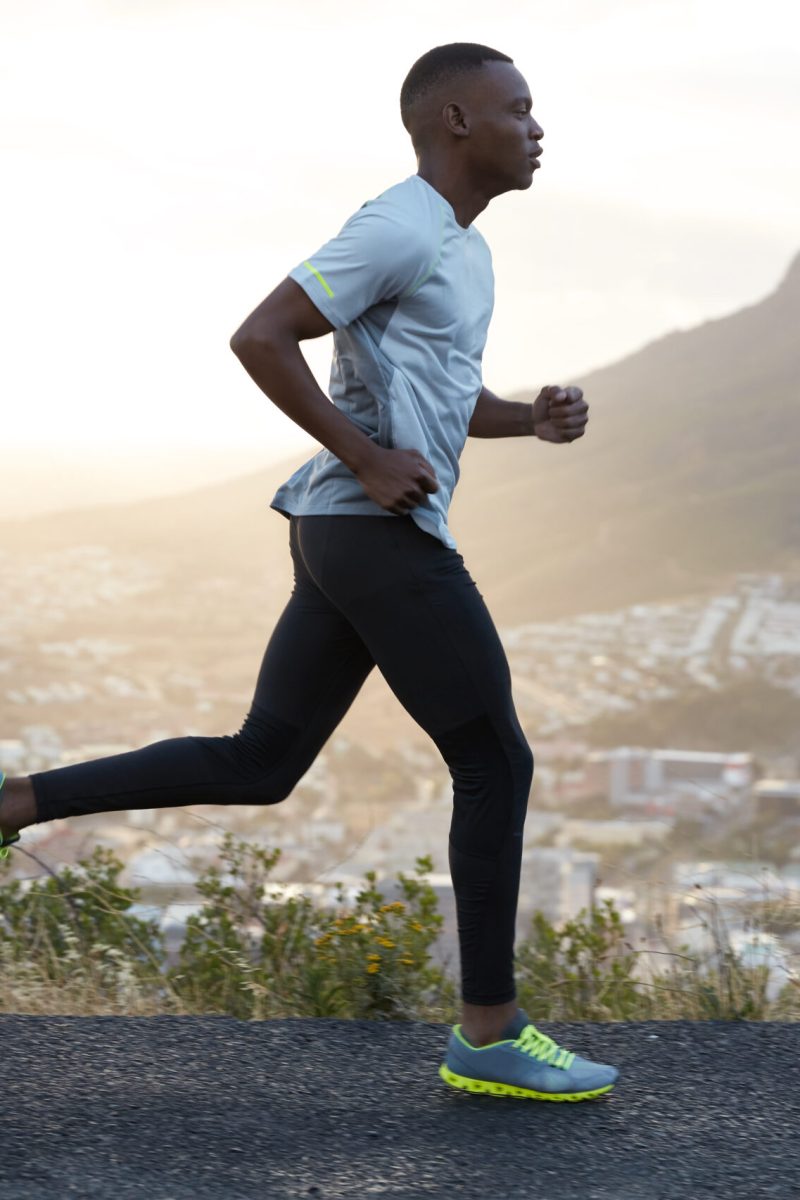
(560, 414)
(398, 480)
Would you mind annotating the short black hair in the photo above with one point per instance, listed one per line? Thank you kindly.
(440, 64)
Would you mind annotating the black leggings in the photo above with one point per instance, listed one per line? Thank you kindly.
(367, 590)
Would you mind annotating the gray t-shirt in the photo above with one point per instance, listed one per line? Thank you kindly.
(410, 293)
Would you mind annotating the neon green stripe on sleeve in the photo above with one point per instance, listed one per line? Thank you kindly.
(319, 277)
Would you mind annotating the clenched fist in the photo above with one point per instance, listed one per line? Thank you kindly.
(560, 414)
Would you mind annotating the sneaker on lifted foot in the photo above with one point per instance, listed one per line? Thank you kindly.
(527, 1065)
(6, 839)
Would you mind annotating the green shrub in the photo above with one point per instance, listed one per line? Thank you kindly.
(255, 954)
(582, 971)
(587, 970)
(69, 938)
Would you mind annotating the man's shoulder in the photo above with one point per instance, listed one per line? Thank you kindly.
(408, 203)
(405, 193)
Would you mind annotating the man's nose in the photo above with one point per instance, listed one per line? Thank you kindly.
(536, 130)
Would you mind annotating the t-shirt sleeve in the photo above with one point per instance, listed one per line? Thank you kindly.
(379, 254)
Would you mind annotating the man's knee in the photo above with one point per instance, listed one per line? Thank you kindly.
(268, 757)
(472, 748)
(492, 778)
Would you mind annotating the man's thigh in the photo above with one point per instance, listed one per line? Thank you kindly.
(315, 662)
(418, 611)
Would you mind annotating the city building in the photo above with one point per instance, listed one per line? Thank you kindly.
(556, 881)
(632, 775)
(619, 832)
(776, 799)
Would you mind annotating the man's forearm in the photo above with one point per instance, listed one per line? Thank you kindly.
(493, 417)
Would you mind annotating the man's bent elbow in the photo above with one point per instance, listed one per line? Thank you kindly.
(242, 341)
(248, 343)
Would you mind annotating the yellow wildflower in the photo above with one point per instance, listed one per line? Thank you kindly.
(373, 967)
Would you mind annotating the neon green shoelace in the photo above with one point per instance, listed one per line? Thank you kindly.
(540, 1046)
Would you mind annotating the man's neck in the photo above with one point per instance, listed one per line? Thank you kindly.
(465, 200)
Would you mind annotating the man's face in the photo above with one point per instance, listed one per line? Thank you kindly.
(504, 140)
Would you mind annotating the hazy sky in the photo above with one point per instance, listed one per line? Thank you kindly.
(167, 162)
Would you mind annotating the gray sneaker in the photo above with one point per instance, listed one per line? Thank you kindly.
(529, 1066)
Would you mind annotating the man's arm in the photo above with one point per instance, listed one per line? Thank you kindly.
(267, 345)
(493, 417)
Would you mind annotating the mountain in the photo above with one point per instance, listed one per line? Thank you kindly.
(686, 475)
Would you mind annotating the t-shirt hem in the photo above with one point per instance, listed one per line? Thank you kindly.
(306, 510)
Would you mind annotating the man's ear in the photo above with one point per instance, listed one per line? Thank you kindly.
(456, 119)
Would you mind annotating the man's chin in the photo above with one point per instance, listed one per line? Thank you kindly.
(516, 184)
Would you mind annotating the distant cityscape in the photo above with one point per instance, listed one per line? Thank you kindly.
(622, 823)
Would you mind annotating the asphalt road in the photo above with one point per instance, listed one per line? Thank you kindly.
(174, 1108)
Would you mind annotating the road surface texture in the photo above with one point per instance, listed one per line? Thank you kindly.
(185, 1108)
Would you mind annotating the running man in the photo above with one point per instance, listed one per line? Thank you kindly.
(406, 288)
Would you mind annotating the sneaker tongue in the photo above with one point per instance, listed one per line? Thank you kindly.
(515, 1026)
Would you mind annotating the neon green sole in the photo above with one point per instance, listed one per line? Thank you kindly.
(510, 1089)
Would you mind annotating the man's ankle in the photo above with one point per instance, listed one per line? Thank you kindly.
(17, 804)
(486, 1024)
(482, 1039)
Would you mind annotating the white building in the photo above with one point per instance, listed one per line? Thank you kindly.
(556, 881)
(613, 833)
